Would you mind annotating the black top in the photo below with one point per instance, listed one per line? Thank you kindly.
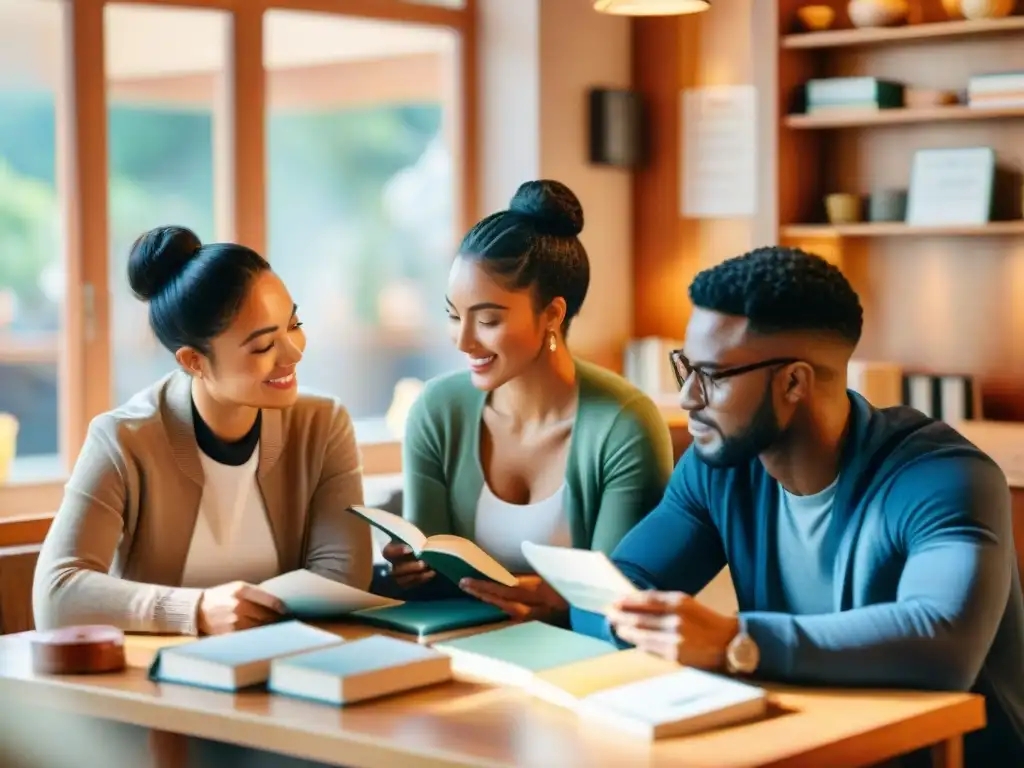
(234, 454)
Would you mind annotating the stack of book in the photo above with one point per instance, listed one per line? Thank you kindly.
(857, 94)
(626, 690)
(647, 366)
(996, 90)
(299, 660)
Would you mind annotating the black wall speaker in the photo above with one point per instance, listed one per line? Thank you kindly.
(616, 128)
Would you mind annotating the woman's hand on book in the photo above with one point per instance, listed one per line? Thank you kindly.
(531, 598)
(406, 570)
(235, 606)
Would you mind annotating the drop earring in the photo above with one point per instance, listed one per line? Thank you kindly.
(552, 341)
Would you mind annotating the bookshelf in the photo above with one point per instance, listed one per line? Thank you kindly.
(938, 299)
(838, 38)
(898, 229)
(856, 119)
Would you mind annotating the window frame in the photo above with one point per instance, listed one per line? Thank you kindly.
(82, 181)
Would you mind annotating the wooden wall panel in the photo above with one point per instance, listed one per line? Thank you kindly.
(666, 248)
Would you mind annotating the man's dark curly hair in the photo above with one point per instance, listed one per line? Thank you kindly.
(781, 289)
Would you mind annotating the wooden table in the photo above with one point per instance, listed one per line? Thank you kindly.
(467, 723)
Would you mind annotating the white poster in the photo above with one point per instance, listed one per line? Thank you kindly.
(718, 158)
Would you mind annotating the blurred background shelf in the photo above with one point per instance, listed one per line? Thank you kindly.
(854, 119)
(838, 38)
(900, 229)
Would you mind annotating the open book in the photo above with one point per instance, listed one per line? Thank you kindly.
(587, 580)
(453, 557)
(307, 595)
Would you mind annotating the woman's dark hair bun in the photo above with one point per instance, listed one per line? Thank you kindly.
(158, 256)
(551, 206)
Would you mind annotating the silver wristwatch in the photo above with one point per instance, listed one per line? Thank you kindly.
(742, 655)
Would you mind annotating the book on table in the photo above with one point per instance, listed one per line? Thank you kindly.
(309, 596)
(454, 557)
(585, 579)
(514, 655)
(424, 619)
(678, 703)
(359, 670)
(237, 660)
(626, 689)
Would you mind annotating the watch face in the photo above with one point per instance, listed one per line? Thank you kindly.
(743, 654)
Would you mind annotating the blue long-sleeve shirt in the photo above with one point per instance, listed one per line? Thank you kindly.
(926, 591)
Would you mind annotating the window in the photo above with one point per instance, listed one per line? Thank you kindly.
(161, 98)
(32, 267)
(356, 193)
(361, 197)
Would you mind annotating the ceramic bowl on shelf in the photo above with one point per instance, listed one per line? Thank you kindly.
(986, 9)
(877, 13)
(843, 208)
(816, 17)
(887, 205)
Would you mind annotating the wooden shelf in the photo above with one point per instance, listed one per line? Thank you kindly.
(899, 229)
(855, 118)
(837, 38)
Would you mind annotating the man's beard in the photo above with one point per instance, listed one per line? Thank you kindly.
(762, 433)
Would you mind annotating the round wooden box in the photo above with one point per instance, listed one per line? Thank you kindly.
(82, 650)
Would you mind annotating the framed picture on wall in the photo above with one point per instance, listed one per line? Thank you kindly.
(951, 187)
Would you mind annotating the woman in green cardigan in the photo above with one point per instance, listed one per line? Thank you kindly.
(529, 444)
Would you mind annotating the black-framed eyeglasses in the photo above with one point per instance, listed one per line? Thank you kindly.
(706, 378)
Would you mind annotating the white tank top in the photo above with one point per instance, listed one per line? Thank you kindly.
(501, 527)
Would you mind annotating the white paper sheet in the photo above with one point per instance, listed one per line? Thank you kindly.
(587, 580)
(718, 157)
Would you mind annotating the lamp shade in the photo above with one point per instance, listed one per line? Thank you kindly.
(651, 7)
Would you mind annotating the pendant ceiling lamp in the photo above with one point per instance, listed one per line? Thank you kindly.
(651, 7)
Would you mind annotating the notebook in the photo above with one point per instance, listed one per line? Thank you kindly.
(359, 670)
(236, 660)
(307, 595)
(453, 557)
(423, 618)
(682, 702)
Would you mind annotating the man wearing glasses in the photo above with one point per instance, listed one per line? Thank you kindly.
(867, 547)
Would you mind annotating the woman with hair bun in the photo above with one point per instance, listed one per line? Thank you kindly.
(216, 477)
(531, 443)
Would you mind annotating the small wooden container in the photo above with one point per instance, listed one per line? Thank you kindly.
(82, 650)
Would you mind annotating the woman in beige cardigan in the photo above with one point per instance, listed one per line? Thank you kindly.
(215, 478)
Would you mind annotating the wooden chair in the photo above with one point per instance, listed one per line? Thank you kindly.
(17, 565)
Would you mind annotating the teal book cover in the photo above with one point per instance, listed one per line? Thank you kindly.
(209, 661)
(429, 617)
(532, 645)
(358, 657)
(453, 568)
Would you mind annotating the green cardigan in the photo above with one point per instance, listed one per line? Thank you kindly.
(620, 458)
